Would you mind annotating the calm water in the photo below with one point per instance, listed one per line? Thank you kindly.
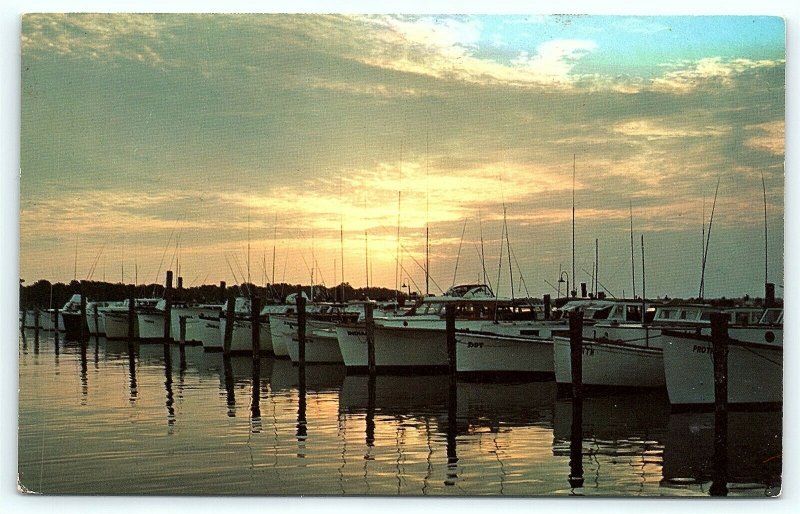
(106, 418)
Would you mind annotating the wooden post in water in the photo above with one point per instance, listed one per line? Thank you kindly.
(182, 331)
(83, 332)
(96, 321)
(719, 349)
(36, 321)
(179, 293)
(55, 325)
(547, 306)
(576, 352)
(168, 306)
(450, 333)
(369, 324)
(230, 316)
(132, 313)
(223, 292)
(255, 325)
(301, 329)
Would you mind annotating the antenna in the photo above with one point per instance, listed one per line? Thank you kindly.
(644, 294)
(596, 265)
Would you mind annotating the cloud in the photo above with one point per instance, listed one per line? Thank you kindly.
(652, 130)
(689, 75)
(770, 138)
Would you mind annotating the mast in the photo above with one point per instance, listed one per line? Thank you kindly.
(596, 265)
(764, 187)
(508, 252)
(573, 221)
(341, 251)
(644, 283)
(633, 266)
(483, 255)
(458, 256)
(708, 239)
(427, 216)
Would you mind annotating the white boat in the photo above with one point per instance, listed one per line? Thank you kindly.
(192, 313)
(503, 354)
(207, 328)
(322, 346)
(116, 317)
(623, 342)
(45, 321)
(283, 327)
(151, 319)
(755, 364)
(242, 333)
(241, 310)
(418, 338)
(96, 321)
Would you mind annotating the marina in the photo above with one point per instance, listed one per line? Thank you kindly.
(390, 255)
(156, 418)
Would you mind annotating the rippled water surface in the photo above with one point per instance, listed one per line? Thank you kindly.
(107, 418)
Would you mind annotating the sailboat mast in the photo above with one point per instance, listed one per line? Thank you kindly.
(633, 265)
(341, 253)
(483, 254)
(574, 279)
(508, 252)
(766, 260)
(708, 239)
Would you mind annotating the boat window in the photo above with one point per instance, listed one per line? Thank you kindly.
(705, 316)
(602, 313)
(633, 313)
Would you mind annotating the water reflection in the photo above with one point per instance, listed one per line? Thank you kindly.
(325, 432)
(255, 402)
(170, 397)
(134, 392)
(742, 453)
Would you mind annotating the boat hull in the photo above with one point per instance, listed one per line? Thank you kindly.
(755, 371)
(320, 348)
(614, 365)
(151, 326)
(208, 332)
(493, 354)
(116, 325)
(72, 326)
(242, 336)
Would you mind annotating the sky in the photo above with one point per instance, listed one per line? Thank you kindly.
(151, 141)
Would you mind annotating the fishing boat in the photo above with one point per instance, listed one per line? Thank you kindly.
(96, 321)
(623, 342)
(72, 319)
(151, 319)
(322, 346)
(319, 316)
(418, 339)
(115, 317)
(194, 324)
(755, 364)
(504, 355)
(242, 331)
(212, 327)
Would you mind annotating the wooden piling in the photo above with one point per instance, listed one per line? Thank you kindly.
(547, 306)
(168, 306)
(369, 323)
(576, 445)
(583, 290)
(719, 349)
(576, 352)
(255, 325)
(223, 292)
(84, 330)
(450, 332)
(182, 331)
(55, 324)
(132, 313)
(96, 320)
(301, 328)
(230, 317)
(36, 321)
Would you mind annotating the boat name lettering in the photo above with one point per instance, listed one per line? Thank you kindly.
(356, 333)
(474, 345)
(701, 349)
